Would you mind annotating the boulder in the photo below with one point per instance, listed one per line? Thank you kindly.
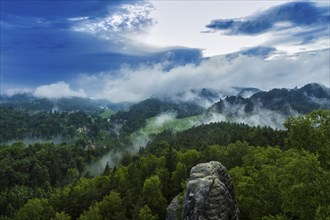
(209, 196)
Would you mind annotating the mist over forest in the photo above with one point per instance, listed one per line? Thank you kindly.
(176, 110)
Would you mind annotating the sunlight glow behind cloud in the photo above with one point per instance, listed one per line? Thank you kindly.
(181, 23)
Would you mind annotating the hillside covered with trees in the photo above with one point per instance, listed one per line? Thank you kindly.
(277, 174)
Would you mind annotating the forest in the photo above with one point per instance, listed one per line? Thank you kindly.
(164, 110)
(77, 127)
(277, 174)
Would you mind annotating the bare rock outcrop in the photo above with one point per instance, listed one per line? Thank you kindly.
(210, 194)
(173, 209)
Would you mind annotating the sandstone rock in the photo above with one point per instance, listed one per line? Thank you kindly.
(210, 194)
(172, 209)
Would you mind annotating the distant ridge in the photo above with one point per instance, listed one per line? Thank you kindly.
(303, 100)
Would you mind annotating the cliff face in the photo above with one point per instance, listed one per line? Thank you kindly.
(209, 195)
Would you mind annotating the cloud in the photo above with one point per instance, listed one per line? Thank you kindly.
(41, 46)
(288, 28)
(260, 51)
(58, 90)
(261, 117)
(289, 15)
(136, 84)
(79, 42)
(113, 157)
(128, 18)
(164, 118)
(82, 36)
(14, 91)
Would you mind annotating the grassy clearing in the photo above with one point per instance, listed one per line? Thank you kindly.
(107, 113)
(176, 124)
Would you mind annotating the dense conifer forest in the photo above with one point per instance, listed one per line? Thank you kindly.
(278, 174)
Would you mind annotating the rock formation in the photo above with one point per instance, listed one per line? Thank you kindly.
(173, 209)
(209, 196)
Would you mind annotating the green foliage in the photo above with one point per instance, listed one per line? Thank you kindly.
(178, 178)
(272, 182)
(323, 213)
(46, 181)
(39, 165)
(28, 172)
(145, 214)
(81, 195)
(61, 216)
(32, 171)
(170, 159)
(222, 133)
(107, 113)
(230, 156)
(15, 197)
(37, 209)
(311, 132)
(277, 217)
(138, 114)
(153, 196)
(92, 213)
(18, 124)
(107, 170)
(109, 208)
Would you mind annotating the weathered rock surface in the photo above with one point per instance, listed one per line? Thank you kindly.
(210, 193)
(172, 209)
(209, 196)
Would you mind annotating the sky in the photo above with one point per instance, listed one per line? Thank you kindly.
(127, 51)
